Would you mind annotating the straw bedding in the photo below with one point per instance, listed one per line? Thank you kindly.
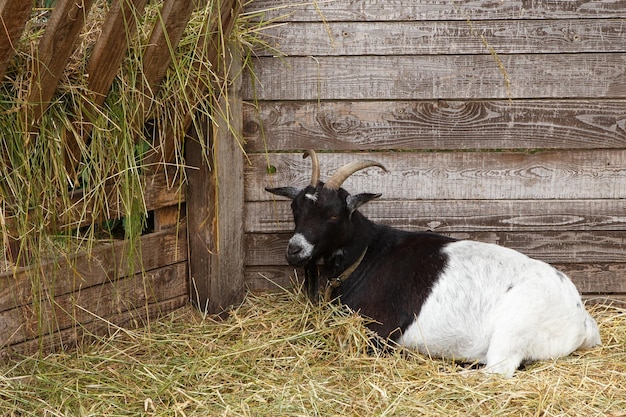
(279, 355)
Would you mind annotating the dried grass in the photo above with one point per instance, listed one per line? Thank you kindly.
(278, 355)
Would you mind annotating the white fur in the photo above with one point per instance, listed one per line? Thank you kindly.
(499, 307)
(298, 240)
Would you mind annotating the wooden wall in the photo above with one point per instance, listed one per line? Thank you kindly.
(499, 121)
(59, 303)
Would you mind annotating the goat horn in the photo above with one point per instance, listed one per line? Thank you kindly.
(335, 181)
(315, 175)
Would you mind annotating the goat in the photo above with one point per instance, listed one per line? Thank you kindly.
(455, 299)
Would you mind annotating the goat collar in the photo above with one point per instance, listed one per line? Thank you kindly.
(336, 282)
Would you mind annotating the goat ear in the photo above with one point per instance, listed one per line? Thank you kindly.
(289, 192)
(356, 201)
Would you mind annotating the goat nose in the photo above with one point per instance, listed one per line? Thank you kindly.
(293, 250)
(299, 250)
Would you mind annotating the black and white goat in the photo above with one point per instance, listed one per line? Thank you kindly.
(448, 298)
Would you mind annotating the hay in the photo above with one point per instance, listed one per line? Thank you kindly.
(278, 355)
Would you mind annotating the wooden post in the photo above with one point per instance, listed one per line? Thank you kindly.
(215, 202)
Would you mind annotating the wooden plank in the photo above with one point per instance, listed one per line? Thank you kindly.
(412, 10)
(111, 47)
(106, 263)
(575, 174)
(272, 278)
(438, 76)
(589, 278)
(598, 278)
(200, 215)
(104, 64)
(211, 51)
(562, 247)
(215, 211)
(444, 37)
(86, 332)
(229, 182)
(160, 189)
(614, 300)
(164, 39)
(67, 311)
(465, 215)
(55, 47)
(13, 17)
(167, 217)
(440, 124)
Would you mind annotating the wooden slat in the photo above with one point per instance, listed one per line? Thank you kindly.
(575, 174)
(444, 37)
(55, 48)
(439, 76)
(164, 39)
(554, 247)
(211, 48)
(440, 124)
(84, 306)
(412, 10)
(104, 64)
(13, 17)
(215, 211)
(106, 263)
(589, 278)
(599, 278)
(465, 215)
(74, 336)
(158, 191)
(215, 193)
(111, 47)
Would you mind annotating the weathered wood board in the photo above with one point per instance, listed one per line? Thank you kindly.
(539, 76)
(466, 215)
(503, 122)
(573, 174)
(94, 288)
(435, 124)
(465, 37)
(418, 10)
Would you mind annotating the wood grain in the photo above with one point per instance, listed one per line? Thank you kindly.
(106, 263)
(91, 330)
(215, 204)
(410, 10)
(589, 278)
(553, 247)
(161, 189)
(444, 37)
(109, 50)
(62, 312)
(56, 46)
(498, 121)
(466, 215)
(539, 76)
(435, 124)
(13, 17)
(574, 174)
(164, 39)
